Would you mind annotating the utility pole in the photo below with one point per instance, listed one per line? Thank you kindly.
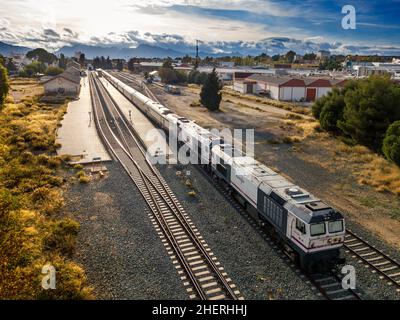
(196, 64)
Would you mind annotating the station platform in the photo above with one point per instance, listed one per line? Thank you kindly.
(78, 135)
(155, 142)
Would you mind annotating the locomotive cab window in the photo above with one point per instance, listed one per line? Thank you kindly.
(335, 226)
(300, 225)
(317, 229)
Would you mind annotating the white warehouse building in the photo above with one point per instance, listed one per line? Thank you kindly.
(287, 88)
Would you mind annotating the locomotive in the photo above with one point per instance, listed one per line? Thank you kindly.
(310, 231)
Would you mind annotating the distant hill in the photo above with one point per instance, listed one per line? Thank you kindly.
(143, 50)
(7, 49)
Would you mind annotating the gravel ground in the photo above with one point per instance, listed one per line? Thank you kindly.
(255, 267)
(368, 282)
(117, 244)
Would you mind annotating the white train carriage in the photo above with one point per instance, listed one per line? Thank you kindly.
(200, 141)
(310, 230)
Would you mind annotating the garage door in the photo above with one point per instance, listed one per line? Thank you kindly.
(311, 94)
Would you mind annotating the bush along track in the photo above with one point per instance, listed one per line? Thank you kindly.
(32, 232)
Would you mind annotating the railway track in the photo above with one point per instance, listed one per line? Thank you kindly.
(200, 271)
(386, 267)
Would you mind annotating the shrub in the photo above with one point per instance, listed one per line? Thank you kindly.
(329, 109)
(318, 105)
(53, 71)
(391, 143)
(370, 107)
(61, 236)
(84, 179)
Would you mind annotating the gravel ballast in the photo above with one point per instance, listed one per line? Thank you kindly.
(254, 265)
(117, 244)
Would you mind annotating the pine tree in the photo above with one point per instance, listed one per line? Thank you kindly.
(210, 97)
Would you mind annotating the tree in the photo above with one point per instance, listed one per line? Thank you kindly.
(318, 106)
(391, 143)
(210, 95)
(187, 59)
(41, 55)
(131, 63)
(332, 111)
(53, 71)
(96, 62)
(62, 62)
(82, 59)
(167, 64)
(290, 56)
(192, 76)
(168, 75)
(201, 78)
(3, 84)
(33, 69)
(108, 64)
(370, 107)
(276, 57)
(310, 56)
(120, 65)
(11, 67)
(330, 64)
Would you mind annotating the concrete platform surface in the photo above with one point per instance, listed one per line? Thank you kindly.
(155, 143)
(78, 135)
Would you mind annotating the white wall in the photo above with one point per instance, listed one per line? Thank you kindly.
(239, 86)
(259, 86)
(53, 85)
(274, 92)
(322, 91)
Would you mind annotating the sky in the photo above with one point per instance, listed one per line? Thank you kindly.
(221, 25)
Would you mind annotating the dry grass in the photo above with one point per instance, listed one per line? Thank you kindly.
(379, 173)
(370, 168)
(275, 103)
(30, 197)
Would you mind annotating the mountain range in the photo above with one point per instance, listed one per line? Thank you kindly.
(178, 47)
(7, 49)
(143, 51)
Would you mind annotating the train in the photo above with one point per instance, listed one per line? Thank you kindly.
(310, 231)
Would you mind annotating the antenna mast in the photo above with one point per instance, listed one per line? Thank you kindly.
(197, 55)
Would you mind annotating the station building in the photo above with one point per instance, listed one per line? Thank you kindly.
(67, 83)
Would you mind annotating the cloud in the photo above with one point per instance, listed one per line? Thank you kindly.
(50, 33)
(270, 45)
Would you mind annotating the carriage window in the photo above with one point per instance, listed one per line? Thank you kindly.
(300, 226)
(317, 229)
(335, 226)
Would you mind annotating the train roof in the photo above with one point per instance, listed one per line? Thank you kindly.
(199, 132)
